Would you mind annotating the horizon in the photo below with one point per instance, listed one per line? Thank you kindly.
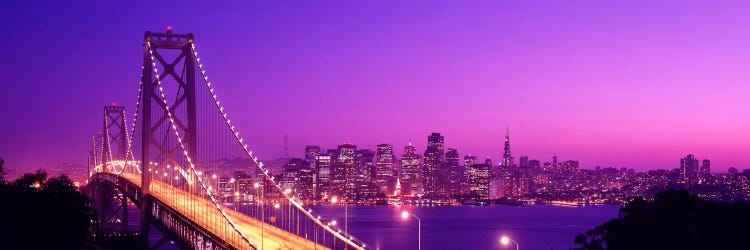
(636, 85)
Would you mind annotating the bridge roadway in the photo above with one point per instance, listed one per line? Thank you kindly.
(205, 214)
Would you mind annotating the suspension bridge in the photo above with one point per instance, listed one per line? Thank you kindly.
(166, 162)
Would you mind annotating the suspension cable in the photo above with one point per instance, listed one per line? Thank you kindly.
(308, 212)
(185, 152)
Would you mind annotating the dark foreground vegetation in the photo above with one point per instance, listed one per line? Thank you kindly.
(673, 220)
(37, 212)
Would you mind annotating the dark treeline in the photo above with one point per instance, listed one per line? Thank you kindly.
(673, 220)
(37, 212)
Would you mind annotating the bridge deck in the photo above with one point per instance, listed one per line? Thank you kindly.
(204, 213)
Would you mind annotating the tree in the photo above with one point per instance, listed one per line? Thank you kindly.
(2, 170)
(41, 213)
(673, 220)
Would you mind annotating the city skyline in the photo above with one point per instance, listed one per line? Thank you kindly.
(668, 89)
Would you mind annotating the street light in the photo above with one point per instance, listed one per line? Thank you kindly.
(405, 216)
(213, 176)
(262, 215)
(335, 200)
(505, 240)
(288, 191)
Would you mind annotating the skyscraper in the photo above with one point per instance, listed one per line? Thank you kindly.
(311, 153)
(507, 157)
(706, 168)
(468, 161)
(433, 160)
(523, 162)
(411, 172)
(365, 161)
(347, 159)
(384, 167)
(554, 162)
(324, 174)
(436, 142)
(689, 166)
(311, 156)
(453, 175)
(479, 181)
(366, 173)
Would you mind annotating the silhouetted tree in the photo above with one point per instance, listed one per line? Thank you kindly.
(37, 213)
(673, 220)
(2, 170)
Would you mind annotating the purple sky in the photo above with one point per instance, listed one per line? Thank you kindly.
(606, 83)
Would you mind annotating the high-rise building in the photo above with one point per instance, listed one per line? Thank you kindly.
(436, 142)
(706, 168)
(523, 162)
(507, 157)
(366, 187)
(732, 170)
(433, 161)
(324, 174)
(311, 153)
(365, 161)
(384, 167)
(297, 176)
(338, 174)
(494, 170)
(554, 162)
(497, 188)
(347, 159)
(454, 173)
(244, 184)
(689, 166)
(311, 156)
(468, 161)
(548, 167)
(534, 165)
(479, 181)
(411, 172)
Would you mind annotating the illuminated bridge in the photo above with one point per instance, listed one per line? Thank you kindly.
(166, 162)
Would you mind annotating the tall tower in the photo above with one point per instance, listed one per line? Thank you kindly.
(384, 166)
(176, 73)
(507, 157)
(115, 141)
(411, 173)
(433, 160)
(706, 168)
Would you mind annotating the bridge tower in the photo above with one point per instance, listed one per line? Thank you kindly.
(164, 46)
(114, 134)
(95, 154)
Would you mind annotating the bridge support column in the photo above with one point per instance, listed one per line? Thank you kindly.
(146, 206)
(124, 213)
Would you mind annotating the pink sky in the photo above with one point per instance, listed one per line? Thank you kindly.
(634, 84)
